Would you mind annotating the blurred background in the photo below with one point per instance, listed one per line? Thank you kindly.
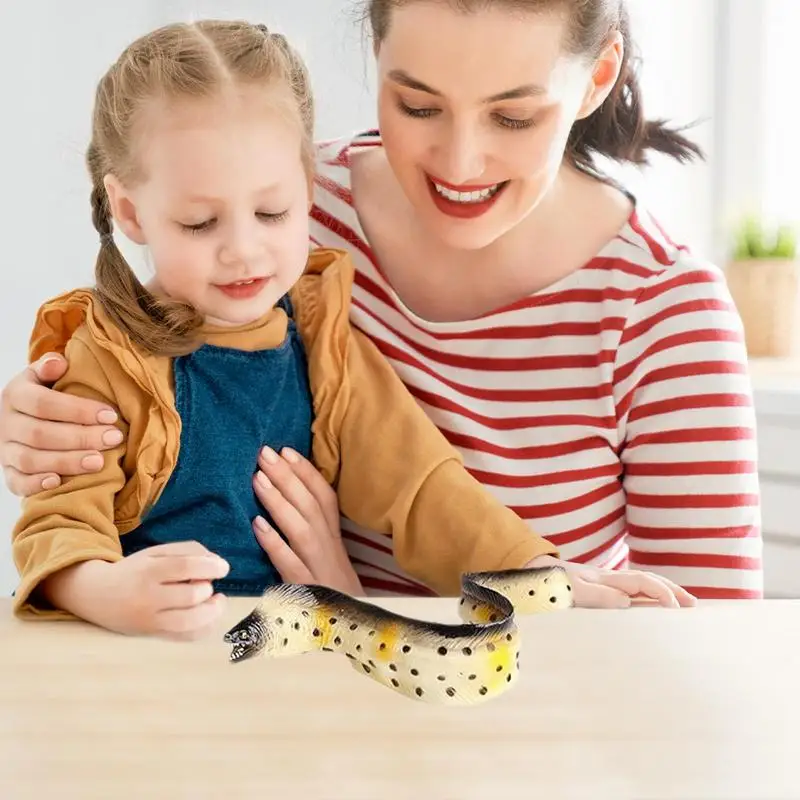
(726, 66)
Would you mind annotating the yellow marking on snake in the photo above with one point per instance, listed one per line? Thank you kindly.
(448, 664)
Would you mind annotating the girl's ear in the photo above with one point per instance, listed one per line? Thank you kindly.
(123, 209)
(604, 75)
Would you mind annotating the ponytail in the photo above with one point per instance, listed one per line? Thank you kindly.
(158, 326)
(619, 129)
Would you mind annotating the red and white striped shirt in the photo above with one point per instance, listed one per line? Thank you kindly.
(612, 411)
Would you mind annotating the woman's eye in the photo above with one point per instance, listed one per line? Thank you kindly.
(418, 113)
(514, 124)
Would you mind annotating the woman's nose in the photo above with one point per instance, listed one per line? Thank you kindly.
(464, 155)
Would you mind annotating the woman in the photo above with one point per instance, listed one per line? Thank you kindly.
(591, 371)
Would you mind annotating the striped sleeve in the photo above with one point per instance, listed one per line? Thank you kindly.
(687, 422)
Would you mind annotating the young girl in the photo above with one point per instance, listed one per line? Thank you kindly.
(201, 150)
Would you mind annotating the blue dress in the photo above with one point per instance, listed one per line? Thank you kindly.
(231, 403)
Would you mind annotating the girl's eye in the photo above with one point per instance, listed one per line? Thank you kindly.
(417, 113)
(199, 227)
(266, 217)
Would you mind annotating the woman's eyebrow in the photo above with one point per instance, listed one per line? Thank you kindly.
(527, 90)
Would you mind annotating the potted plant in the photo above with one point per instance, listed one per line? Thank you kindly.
(763, 276)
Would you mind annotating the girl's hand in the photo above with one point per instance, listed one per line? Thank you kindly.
(606, 588)
(165, 590)
(305, 508)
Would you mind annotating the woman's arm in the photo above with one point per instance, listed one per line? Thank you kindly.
(684, 402)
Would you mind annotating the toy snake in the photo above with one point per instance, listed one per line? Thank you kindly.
(452, 664)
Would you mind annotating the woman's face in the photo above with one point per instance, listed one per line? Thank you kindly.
(475, 110)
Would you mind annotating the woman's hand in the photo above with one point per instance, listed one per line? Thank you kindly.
(305, 508)
(45, 434)
(606, 588)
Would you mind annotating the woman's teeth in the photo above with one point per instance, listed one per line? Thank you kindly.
(467, 197)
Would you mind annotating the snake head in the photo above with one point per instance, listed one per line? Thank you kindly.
(248, 637)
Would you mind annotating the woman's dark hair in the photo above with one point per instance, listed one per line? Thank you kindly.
(618, 129)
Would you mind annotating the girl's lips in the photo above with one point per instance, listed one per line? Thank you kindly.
(241, 290)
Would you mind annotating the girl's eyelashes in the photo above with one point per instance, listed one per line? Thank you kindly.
(197, 227)
(264, 216)
(271, 217)
(511, 123)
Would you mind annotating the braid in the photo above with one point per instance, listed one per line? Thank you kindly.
(160, 327)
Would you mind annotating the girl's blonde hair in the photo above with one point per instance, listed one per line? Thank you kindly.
(179, 61)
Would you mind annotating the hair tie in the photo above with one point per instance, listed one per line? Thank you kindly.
(106, 238)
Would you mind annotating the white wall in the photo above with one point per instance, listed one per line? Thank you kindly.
(680, 88)
(53, 52)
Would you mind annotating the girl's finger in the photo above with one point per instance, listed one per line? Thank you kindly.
(286, 561)
(190, 622)
(316, 485)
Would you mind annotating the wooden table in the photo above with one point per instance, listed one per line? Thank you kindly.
(645, 703)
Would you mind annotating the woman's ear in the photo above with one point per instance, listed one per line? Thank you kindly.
(123, 209)
(604, 75)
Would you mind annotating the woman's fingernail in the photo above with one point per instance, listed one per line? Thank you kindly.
(112, 437)
(269, 455)
(261, 524)
(290, 455)
(51, 482)
(263, 480)
(106, 417)
(92, 462)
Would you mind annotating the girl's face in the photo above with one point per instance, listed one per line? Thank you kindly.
(223, 207)
(475, 111)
